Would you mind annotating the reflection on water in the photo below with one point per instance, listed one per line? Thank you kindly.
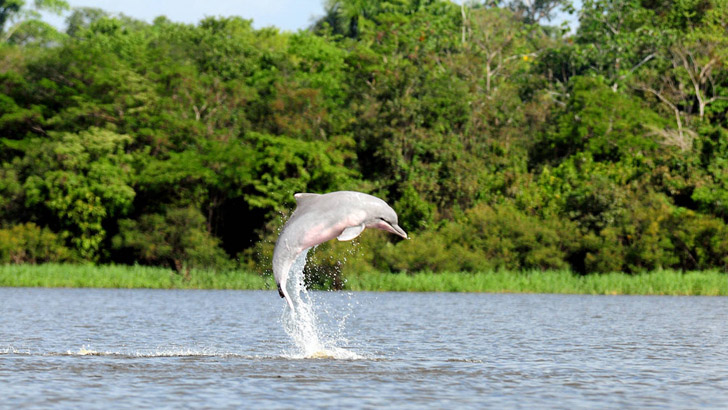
(91, 348)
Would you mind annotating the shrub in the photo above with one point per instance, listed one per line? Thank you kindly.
(28, 243)
(178, 238)
(483, 238)
(653, 234)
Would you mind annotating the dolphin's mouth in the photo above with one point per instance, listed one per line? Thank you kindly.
(395, 229)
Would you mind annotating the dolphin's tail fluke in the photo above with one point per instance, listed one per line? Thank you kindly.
(284, 294)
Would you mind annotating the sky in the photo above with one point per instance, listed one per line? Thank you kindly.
(287, 15)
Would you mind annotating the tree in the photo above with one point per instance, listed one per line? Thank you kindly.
(25, 22)
(496, 46)
(596, 120)
(689, 77)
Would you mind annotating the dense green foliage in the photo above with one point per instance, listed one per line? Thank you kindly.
(501, 142)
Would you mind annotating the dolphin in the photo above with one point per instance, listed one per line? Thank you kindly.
(320, 217)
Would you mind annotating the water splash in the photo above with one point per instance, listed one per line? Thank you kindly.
(311, 339)
(13, 350)
(150, 353)
(85, 351)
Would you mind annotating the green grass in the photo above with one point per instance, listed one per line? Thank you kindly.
(120, 276)
(709, 283)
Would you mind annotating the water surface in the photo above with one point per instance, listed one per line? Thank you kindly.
(100, 348)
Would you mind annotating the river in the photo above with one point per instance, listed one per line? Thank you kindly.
(117, 348)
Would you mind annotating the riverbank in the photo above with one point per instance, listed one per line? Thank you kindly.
(707, 283)
(123, 276)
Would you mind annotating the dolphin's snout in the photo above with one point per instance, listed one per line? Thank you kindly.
(392, 228)
(396, 229)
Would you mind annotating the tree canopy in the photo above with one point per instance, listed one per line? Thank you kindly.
(503, 142)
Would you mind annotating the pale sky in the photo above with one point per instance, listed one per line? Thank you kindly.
(287, 15)
(290, 15)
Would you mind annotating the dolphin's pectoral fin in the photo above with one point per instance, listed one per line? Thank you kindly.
(351, 232)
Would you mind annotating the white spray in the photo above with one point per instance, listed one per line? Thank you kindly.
(310, 338)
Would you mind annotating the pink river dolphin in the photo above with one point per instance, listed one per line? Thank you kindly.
(320, 217)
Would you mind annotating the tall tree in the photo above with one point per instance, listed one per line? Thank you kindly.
(17, 21)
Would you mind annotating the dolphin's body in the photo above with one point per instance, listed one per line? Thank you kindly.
(321, 217)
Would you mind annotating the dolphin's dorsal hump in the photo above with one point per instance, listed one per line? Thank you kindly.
(301, 197)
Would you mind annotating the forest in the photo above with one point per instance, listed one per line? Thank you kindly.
(503, 142)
